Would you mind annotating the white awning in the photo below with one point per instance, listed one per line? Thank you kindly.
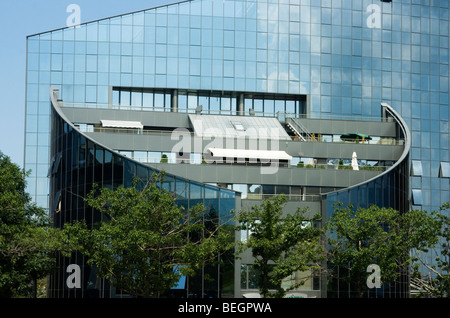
(121, 124)
(250, 154)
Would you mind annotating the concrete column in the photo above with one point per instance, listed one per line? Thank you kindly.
(110, 97)
(174, 102)
(240, 105)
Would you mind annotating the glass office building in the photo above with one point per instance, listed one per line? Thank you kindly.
(327, 59)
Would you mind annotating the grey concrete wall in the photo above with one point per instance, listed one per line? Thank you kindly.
(326, 126)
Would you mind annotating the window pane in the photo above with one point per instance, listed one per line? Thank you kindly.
(136, 99)
(140, 156)
(416, 169)
(125, 98)
(241, 188)
(147, 100)
(214, 105)
(192, 101)
(254, 191)
(154, 157)
(159, 101)
(258, 105)
(196, 158)
(445, 170)
(269, 107)
(417, 196)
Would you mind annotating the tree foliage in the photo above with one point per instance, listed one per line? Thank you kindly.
(146, 240)
(280, 244)
(27, 241)
(382, 236)
(430, 273)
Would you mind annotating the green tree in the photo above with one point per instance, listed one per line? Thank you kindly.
(430, 273)
(280, 244)
(27, 241)
(164, 158)
(146, 240)
(381, 236)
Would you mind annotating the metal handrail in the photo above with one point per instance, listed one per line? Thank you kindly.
(280, 115)
(291, 197)
(385, 141)
(259, 164)
(298, 125)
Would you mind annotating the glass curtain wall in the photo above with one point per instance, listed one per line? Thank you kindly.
(389, 190)
(78, 163)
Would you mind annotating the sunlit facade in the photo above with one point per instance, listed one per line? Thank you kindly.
(324, 60)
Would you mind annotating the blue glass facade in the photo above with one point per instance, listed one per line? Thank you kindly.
(343, 56)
